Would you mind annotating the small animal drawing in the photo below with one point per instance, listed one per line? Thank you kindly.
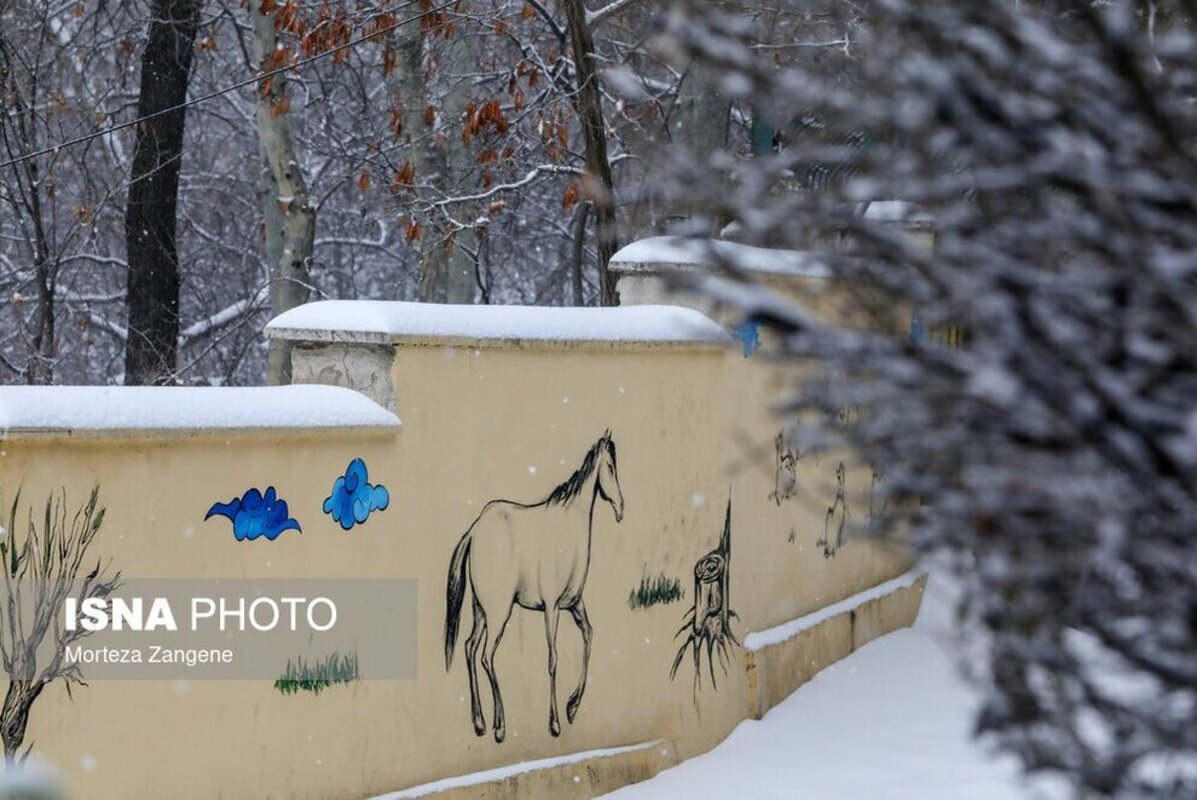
(837, 512)
(873, 512)
(256, 515)
(536, 556)
(785, 476)
(846, 417)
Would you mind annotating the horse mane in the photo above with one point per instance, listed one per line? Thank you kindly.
(570, 488)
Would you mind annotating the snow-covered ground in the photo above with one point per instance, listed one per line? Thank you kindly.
(890, 722)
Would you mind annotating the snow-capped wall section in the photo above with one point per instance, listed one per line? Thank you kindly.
(133, 409)
(384, 322)
(665, 252)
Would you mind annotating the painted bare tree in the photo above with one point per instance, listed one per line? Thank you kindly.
(1052, 148)
(46, 559)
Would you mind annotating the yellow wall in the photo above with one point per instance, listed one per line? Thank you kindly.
(478, 424)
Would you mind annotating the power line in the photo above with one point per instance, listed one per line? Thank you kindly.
(234, 87)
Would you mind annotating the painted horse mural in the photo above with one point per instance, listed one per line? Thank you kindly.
(535, 556)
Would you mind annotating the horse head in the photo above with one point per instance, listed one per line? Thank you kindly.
(608, 477)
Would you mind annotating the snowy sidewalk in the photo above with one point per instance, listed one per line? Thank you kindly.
(890, 722)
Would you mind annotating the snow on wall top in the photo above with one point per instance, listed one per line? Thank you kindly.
(759, 640)
(687, 252)
(898, 212)
(111, 409)
(383, 321)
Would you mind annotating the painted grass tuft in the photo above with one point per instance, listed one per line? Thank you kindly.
(300, 676)
(660, 590)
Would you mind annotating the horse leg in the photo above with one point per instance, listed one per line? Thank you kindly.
(578, 612)
(488, 664)
(551, 615)
(471, 648)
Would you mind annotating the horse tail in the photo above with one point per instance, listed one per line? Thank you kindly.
(455, 594)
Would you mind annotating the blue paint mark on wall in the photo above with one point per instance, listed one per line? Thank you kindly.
(353, 498)
(255, 515)
(917, 334)
(749, 334)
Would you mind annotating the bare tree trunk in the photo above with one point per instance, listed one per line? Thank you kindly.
(24, 87)
(287, 210)
(18, 132)
(40, 368)
(151, 352)
(579, 251)
(426, 159)
(700, 116)
(597, 183)
(461, 286)
(446, 269)
(699, 122)
(482, 271)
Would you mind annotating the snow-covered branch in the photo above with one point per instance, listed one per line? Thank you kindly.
(499, 188)
(600, 15)
(225, 316)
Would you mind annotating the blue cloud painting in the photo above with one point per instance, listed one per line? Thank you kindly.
(353, 498)
(255, 515)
